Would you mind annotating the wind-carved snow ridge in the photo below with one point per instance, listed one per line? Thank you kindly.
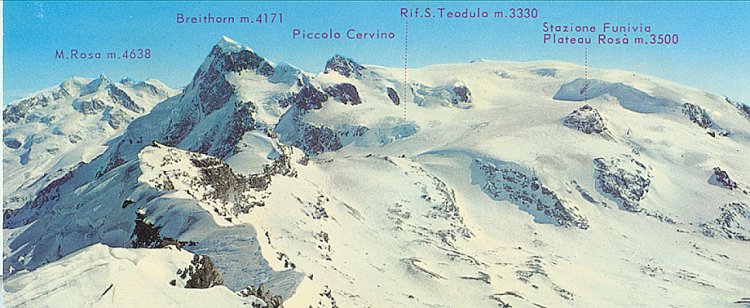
(629, 98)
(506, 181)
(624, 182)
(102, 276)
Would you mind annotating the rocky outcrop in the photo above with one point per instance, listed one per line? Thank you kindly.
(455, 94)
(344, 66)
(244, 60)
(215, 90)
(626, 186)
(509, 182)
(585, 119)
(145, 234)
(89, 106)
(533, 270)
(308, 98)
(242, 121)
(721, 178)
(743, 109)
(318, 139)
(12, 143)
(202, 273)
(345, 93)
(17, 112)
(545, 72)
(393, 96)
(732, 223)
(216, 184)
(700, 116)
(697, 115)
(461, 94)
(272, 301)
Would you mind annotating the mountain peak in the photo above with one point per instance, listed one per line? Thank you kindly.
(344, 66)
(75, 80)
(96, 85)
(228, 45)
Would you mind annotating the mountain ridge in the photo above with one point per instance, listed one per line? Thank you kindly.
(491, 191)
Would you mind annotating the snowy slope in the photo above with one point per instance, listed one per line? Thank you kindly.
(117, 277)
(49, 132)
(505, 184)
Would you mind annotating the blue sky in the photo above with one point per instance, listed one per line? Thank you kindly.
(712, 53)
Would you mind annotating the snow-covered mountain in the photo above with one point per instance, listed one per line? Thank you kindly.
(503, 184)
(49, 132)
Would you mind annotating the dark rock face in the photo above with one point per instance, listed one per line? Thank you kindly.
(228, 187)
(461, 94)
(233, 191)
(721, 178)
(17, 112)
(39, 206)
(744, 109)
(507, 182)
(242, 121)
(203, 273)
(545, 72)
(316, 140)
(585, 119)
(12, 143)
(393, 96)
(215, 91)
(732, 223)
(345, 93)
(624, 187)
(455, 94)
(246, 60)
(273, 301)
(344, 66)
(697, 115)
(145, 234)
(309, 98)
(89, 106)
(120, 97)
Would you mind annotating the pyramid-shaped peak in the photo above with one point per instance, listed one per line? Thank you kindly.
(229, 45)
